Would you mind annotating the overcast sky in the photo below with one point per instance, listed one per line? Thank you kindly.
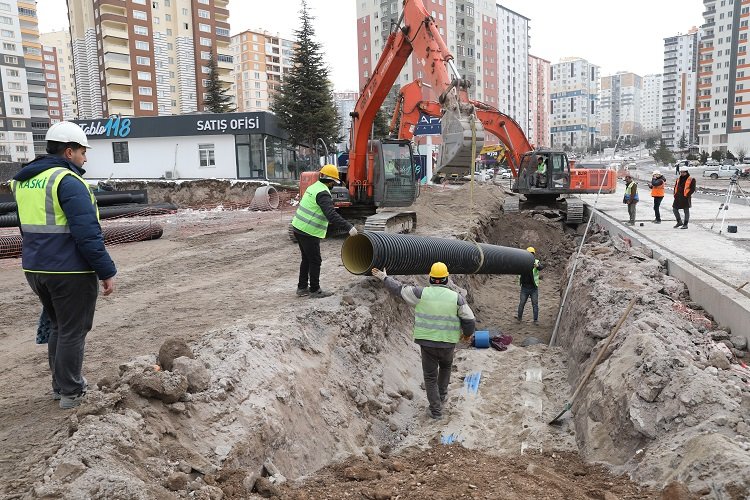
(630, 38)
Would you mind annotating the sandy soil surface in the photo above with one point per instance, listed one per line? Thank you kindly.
(285, 386)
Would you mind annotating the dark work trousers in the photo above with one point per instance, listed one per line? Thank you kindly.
(309, 246)
(657, 204)
(631, 212)
(70, 301)
(676, 212)
(526, 292)
(436, 367)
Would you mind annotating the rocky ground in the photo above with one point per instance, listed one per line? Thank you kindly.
(260, 392)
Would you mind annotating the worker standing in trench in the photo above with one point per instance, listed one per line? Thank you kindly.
(310, 225)
(441, 318)
(530, 288)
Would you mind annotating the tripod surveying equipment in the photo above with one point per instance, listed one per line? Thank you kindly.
(724, 207)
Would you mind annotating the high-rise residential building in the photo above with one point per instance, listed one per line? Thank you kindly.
(681, 87)
(147, 57)
(513, 65)
(21, 77)
(574, 95)
(60, 42)
(261, 60)
(52, 84)
(620, 106)
(651, 102)
(345, 102)
(539, 73)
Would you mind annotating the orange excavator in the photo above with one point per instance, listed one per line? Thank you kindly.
(383, 173)
(560, 179)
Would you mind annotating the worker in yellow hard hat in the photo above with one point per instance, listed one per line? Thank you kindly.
(310, 223)
(441, 318)
(529, 282)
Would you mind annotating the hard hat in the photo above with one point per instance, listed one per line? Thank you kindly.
(67, 132)
(531, 249)
(329, 172)
(656, 172)
(683, 168)
(439, 270)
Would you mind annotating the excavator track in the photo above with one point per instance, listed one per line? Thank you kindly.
(511, 205)
(573, 211)
(392, 222)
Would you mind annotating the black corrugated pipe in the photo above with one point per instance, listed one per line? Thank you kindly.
(11, 219)
(409, 254)
(8, 206)
(103, 199)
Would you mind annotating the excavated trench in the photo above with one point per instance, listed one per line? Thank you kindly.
(292, 394)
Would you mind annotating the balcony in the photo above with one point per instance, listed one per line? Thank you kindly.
(111, 32)
(119, 95)
(116, 19)
(111, 62)
(118, 109)
(119, 80)
(224, 61)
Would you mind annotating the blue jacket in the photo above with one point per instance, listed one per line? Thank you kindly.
(87, 252)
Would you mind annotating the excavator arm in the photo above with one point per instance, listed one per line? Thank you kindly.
(417, 35)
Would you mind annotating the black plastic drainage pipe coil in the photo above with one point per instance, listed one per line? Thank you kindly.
(135, 210)
(409, 254)
(8, 206)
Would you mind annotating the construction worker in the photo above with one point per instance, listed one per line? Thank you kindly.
(63, 252)
(657, 193)
(529, 282)
(310, 223)
(631, 197)
(684, 187)
(540, 176)
(441, 318)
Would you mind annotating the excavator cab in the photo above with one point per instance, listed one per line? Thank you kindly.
(543, 172)
(394, 170)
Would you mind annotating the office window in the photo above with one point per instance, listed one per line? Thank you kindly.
(120, 152)
(206, 155)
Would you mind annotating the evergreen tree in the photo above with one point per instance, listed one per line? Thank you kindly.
(704, 157)
(717, 155)
(380, 125)
(683, 142)
(217, 98)
(304, 105)
(663, 154)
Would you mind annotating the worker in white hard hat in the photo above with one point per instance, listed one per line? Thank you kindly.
(63, 252)
(656, 184)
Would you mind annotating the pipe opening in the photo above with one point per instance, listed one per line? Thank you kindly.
(357, 254)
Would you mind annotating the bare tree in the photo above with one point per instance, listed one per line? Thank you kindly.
(741, 152)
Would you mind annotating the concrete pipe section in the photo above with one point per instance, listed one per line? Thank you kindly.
(409, 254)
(266, 198)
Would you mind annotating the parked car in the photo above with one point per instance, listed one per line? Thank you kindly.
(745, 172)
(712, 163)
(720, 171)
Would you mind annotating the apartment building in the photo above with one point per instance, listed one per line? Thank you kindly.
(52, 84)
(574, 96)
(59, 41)
(261, 61)
(681, 87)
(620, 106)
(345, 102)
(651, 102)
(539, 101)
(513, 65)
(35, 77)
(724, 77)
(147, 57)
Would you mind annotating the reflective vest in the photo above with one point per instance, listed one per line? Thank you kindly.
(48, 246)
(534, 273)
(686, 189)
(436, 316)
(658, 191)
(309, 217)
(541, 168)
(629, 191)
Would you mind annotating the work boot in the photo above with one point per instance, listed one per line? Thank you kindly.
(536, 322)
(434, 416)
(303, 292)
(656, 221)
(679, 224)
(68, 402)
(319, 294)
(684, 226)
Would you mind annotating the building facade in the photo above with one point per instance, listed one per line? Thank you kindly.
(513, 66)
(651, 102)
(574, 108)
(539, 102)
(60, 42)
(147, 58)
(345, 102)
(52, 84)
(35, 73)
(261, 61)
(680, 90)
(620, 106)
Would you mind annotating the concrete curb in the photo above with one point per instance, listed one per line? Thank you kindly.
(728, 306)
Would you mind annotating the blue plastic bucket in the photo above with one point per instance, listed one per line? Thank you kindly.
(481, 339)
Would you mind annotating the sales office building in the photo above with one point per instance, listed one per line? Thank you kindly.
(195, 146)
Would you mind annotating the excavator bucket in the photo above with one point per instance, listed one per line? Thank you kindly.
(456, 149)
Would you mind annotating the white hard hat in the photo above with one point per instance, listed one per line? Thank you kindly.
(656, 172)
(683, 168)
(67, 132)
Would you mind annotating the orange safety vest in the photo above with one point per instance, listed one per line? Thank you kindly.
(686, 190)
(658, 191)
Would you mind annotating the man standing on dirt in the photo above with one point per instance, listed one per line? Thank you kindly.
(657, 193)
(441, 318)
(310, 225)
(530, 288)
(63, 252)
(684, 187)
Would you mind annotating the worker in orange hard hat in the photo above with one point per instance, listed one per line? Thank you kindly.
(310, 224)
(529, 282)
(441, 318)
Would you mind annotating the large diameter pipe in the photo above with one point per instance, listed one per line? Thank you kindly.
(265, 198)
(409, 254)
(11, 219)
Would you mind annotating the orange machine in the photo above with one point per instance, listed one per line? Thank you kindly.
(561, 178)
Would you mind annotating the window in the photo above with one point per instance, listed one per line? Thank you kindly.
(14, 86)
(120, 152)
(147, 106)
(139, 14)
(143, 61)
(206, 55)
(11, 72)
(15, 98)
(206, 155)
(144, 75)
(11, 60)
(206, 41)
(204, 28)
(16, 111)
(9, 46)
(204, 14)
(22, 149)
(141, 45)
(145, 91)
(140, 30)
(6, 20)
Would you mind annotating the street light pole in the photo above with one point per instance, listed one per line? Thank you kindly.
(325, 148)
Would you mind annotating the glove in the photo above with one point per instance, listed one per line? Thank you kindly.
(353, 231)
(381, 275)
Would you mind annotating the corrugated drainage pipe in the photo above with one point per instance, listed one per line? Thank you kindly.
(409, 254)
(8, 206)
(11, 219)
(266, 198)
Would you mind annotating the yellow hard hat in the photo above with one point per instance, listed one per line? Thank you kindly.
(531, 249)
(329, 171)
(439, 270)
